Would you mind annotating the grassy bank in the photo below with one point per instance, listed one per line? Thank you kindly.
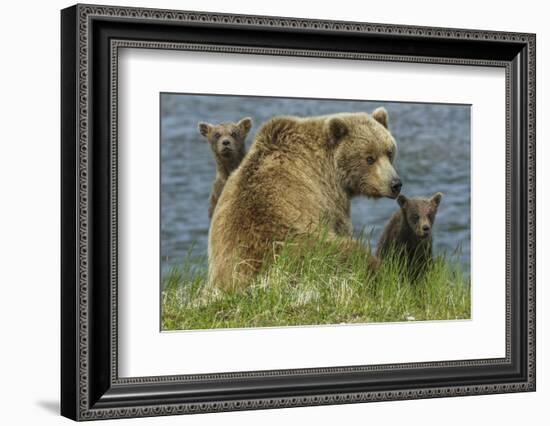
(313, 285)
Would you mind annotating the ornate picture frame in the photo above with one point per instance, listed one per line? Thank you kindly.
(91, 37)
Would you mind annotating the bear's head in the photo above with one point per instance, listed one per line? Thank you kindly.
(419, 213)
(226, 139)
(364, 151)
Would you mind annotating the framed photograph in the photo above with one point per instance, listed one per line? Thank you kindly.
(263, 212)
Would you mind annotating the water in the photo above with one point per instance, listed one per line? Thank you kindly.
(433, 155)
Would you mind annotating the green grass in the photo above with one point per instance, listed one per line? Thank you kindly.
(310, 284)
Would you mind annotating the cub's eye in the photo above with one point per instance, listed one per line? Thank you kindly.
(390, 155)
(370, 160)
(415, 217)
(233, 134)
(217, 135)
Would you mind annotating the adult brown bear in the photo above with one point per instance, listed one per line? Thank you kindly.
(299, 173)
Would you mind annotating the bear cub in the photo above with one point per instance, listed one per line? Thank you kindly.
(409, 231)
(227, 141)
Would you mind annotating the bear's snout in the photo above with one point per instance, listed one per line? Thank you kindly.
(423, 231)
(396, 185)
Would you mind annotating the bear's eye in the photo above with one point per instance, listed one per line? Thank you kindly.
(233, 134)
(217, 135)
(370, 160)
(390, 155)
(415, 217)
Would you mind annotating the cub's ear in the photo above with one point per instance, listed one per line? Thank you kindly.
(336, 130)
(204, 128)
(436, 198)
(402, 201)
(381, 115)
(245, 124)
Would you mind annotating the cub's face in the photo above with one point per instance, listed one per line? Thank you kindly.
(365, 151)
(226, 139)
(420, 213)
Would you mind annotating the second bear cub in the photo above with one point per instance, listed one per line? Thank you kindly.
(227, 143)
(409, 231)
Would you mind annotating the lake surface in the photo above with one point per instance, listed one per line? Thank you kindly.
(433, 155)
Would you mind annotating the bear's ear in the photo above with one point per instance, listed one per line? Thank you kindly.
(336, 129)
(381, 115)
(245, 124)
(204, 128)
(436, 198)
(402, 201)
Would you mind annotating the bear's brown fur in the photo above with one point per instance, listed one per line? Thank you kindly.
(409, 231)
(298, 174)
(227, 141)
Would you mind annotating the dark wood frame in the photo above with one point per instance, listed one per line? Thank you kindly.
(90, 386)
